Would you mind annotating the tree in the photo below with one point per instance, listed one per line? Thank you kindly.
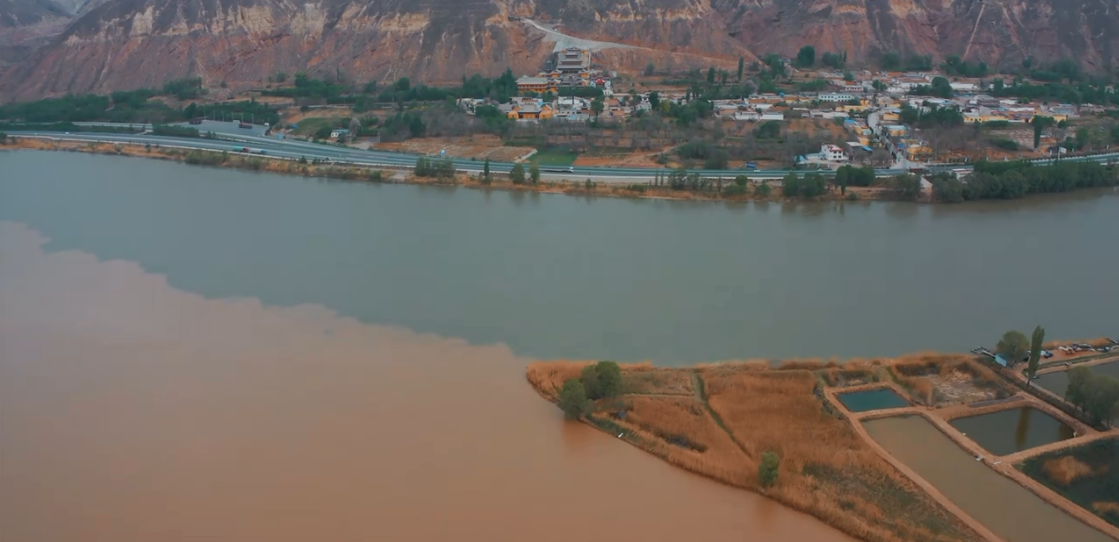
(891, 61)
(813, 185)
(711, 75)
(534, 173)
(1101, 398)
(1013, 346)
(1078, 378)
(323, 133)
(573, 399)
(949, 190)
(741, 64)
(486, 171)
(718, 159)
(790, 185)
(655, 99)
(834, 60)
(879, 86)
(597, 105)
(768, 130)
(767, 469)
(355, 128)
(1035, 353)
(589, 378)
(650, 69)
(609, 379)
(3, 138)
(1040, 124)
(842, 178)
(908, 186)
(806, 57)
(763, 190)
(417, 127)
(517, 174)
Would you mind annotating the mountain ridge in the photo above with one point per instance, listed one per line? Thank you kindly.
(125, 44)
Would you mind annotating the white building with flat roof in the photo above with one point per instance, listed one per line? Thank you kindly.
(833, 153)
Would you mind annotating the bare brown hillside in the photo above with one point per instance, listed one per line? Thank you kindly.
(131, 43)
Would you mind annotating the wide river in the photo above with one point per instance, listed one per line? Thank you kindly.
(200, 354)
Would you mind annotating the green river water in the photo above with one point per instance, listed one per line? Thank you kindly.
(557, 276)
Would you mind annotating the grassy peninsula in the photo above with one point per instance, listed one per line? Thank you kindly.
(785, 430)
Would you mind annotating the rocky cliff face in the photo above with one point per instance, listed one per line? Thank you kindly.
(28, 24)
(999, 32)
(132, 43)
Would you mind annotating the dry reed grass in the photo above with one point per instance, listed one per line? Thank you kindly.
(808, 364)
(642, 379)
(1106, 507)
(684, 434)
(548, 376)
(848, 377)
(826, 470)
(1066, 470)
(752, 364)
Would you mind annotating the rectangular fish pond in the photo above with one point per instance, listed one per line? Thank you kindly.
(1057, 382)
(1087, 475)
(1008, 509)
(1009, 431)
(879, 399)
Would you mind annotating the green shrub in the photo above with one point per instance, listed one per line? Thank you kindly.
(767, 469)
(1003, 143)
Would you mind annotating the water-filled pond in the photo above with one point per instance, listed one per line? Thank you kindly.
(1009, 431)
(1058, 382)
(862, 401)
(1005, 507)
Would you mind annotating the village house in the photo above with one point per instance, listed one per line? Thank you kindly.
(836, 97)
(829, 156)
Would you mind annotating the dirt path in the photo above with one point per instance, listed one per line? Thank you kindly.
(563, 41)
(701, 394)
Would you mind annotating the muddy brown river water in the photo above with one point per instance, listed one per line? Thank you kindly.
(134, 412)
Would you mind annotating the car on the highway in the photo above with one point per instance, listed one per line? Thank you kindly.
(559, 170)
